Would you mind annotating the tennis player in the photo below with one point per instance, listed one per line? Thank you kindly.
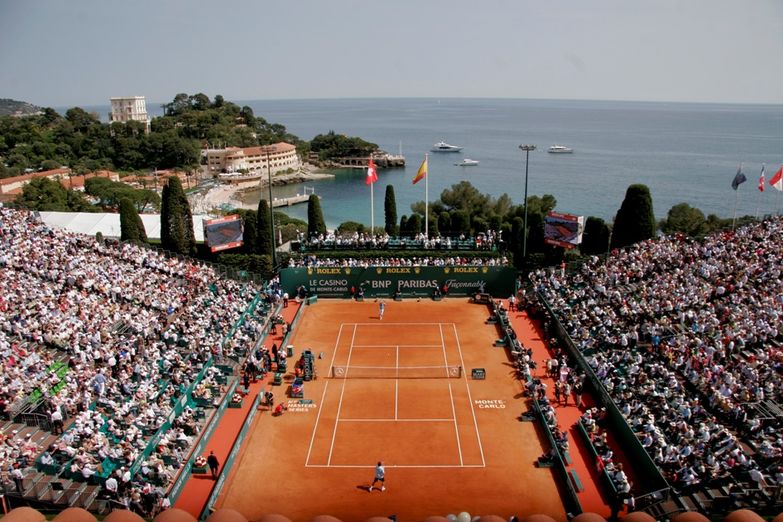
(381, 308)
(380, 474)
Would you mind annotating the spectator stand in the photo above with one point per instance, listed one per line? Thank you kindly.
(649, 476)
(705, 313)
(196, 496)
(42, 263)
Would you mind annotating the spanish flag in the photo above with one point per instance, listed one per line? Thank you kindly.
(421, 172)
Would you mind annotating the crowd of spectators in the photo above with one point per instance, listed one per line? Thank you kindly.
(315, 261)
(360, 240)
(685, 335)
(110, 336)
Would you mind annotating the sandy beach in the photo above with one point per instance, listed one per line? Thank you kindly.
(225, 194)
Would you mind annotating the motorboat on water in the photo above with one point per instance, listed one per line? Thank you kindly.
(467, 162)
(560, 149)
(442, 146)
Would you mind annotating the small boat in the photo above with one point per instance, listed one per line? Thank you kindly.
(560, 149)
(442, 146)
(467, 162)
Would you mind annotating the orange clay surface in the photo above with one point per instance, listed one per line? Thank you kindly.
(448, 444)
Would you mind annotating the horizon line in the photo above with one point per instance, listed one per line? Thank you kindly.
(345, 98)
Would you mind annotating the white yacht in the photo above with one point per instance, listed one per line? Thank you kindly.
(560, 149)
(467, 162)
(442, 146)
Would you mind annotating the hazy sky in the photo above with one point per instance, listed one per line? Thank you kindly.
(82, 52)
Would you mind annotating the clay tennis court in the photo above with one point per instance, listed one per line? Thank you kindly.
(397, 390)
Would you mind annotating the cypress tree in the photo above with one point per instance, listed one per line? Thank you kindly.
(315, 217)
(596, 237)
(131, 226)
(415, 225)
(264, 240)
(404, 226)
(249, 235)
(176, 220)
(634, 221)
(444, 223)
(516, 239)
(390, 211)
(460, 222)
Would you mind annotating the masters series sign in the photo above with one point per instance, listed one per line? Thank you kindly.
(408, 280)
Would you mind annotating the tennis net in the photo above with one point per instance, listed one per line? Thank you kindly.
(396, 372)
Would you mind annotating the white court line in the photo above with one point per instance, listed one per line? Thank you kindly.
(397, 385)
(397, 420)
(342, 391)
(470, 397)
(323, 395)
(397, 324)
(397, 345)
(451, 395)
(422, 466)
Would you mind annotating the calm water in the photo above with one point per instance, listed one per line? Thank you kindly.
(683, 152)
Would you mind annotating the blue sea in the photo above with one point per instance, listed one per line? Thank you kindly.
(683, 152)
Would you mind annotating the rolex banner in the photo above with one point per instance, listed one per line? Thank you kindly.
(409, 281)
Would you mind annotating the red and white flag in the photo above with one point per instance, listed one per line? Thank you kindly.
(761, 179)
(372, 174)
(777, 180)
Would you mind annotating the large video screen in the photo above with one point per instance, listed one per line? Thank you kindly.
(223, 233)
(563, 230)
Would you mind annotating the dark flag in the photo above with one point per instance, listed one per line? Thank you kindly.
(739, 179)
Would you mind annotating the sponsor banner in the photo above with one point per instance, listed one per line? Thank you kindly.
(408, 281)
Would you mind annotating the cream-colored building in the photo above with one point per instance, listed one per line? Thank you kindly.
(252, 161)
(131, 108)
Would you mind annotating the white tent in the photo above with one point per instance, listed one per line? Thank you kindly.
(109, 224)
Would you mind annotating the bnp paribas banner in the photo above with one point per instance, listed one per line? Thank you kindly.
(408, 281)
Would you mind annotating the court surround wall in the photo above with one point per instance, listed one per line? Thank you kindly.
(410, 281)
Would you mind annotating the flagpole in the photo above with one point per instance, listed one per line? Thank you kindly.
(758, 205)
(372, 210)
(734, 219)
(761, 189)
(427, 200)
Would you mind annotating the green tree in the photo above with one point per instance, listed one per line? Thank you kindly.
(48, 195)
(686, 219)
(334, 146)
(248, 116)
(50, 165)
(460, 222)
(315, 217)
(131, 225)
(390, 211)
(444, 223)
(404, 230)
(635, 220)
(415, 225)
(349, 227)
(464, 196)
(595, 239)
(264, 239)
(249, 234)
(516, 240)
(176, 221)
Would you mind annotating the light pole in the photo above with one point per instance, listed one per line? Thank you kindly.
(527, 149)
(271, 210)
